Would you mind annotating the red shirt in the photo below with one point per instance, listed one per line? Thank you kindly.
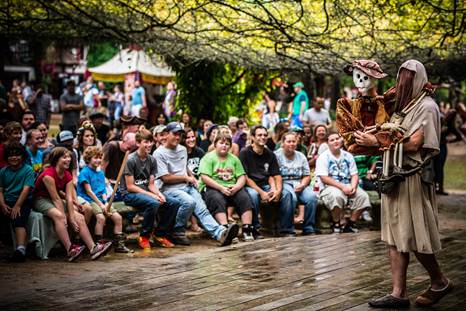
(40, 191)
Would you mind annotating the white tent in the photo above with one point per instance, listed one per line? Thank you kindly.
(129, 61)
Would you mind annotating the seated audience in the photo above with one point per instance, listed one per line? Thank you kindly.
(295, 172)
(264, 182)
(137, 186)
(92, 188)
(339, 178)
(319, 145)
(222, 184)
(54, 180)
(16, 182)
(35, 155)
(11, 133)
(180, 183)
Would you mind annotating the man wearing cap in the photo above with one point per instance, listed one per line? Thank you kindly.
(160, 136)
(299, 105)
(129, 124)
(71, 105)
(181, 184)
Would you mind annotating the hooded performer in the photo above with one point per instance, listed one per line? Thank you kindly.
(368, 111)
(409, 211)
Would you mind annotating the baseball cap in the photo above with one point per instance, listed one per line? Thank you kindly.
(64, 136)
(174, 127)
(159, 129)
(298, 84)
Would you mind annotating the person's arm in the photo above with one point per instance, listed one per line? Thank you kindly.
(144, 100)
(16, 210)
(332, 182)
(5, 208)
(276, 184)
(305, 180)
(153, 188)
(174, 179)
(92, 195)
(415, 141)
(214, 185)
(354, 183)
(240, 183)
(49, 183)
(252, 184)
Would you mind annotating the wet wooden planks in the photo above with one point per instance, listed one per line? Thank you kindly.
(325, 272)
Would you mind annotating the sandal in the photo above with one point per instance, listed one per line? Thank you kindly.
(431, 296)
(389, 301)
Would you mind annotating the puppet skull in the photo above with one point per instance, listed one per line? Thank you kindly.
(362, 81)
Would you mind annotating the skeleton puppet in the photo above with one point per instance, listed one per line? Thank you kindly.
(368, 111)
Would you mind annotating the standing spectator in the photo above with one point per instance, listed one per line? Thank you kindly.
(296, 175)
(283, 101)
(91, 96)
(138, 99)
(27, 119)
(271, 118)
(16, 183)
(93, 189)
(53, 181)
(35, 155)
(170, 100)
(40, 104)
(102, 94)
(181, 184)
(116, 104)
(222, 183)
(71, 105)
(264, 182)
(299, 105)
(338, 173)
(317, 115)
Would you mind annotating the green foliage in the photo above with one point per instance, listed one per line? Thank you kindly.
(217, 91)
(99, 53)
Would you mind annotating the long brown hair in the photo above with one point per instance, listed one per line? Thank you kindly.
(404, 89)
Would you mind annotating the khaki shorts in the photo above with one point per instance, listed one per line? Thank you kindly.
(43, 205)
(95, 207)
(334, 197)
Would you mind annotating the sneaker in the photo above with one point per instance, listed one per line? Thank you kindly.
(17, 257)
(248, 237)
(162, 241)
(256, 234)
(99, 250)
(180, 239)
(144, 242)
(336, 227)
(75, 251)
(366, 216)
(350, 227)
(120, 246)
(229, 234)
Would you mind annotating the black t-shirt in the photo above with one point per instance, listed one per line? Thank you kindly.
(259, 167)
(194, 158)
(270, 144)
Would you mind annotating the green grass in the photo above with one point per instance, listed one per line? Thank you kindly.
(455, 174)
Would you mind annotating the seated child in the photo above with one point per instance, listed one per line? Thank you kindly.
(55, 179)
(16, 183)
(92, 189)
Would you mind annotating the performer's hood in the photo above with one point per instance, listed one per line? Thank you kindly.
(420, 75)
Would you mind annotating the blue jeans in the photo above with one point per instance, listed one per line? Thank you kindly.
(151, 206)
(286, 211)
(191, 201)
(307, 197)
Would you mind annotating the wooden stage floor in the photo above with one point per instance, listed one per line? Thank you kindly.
(324, 272)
